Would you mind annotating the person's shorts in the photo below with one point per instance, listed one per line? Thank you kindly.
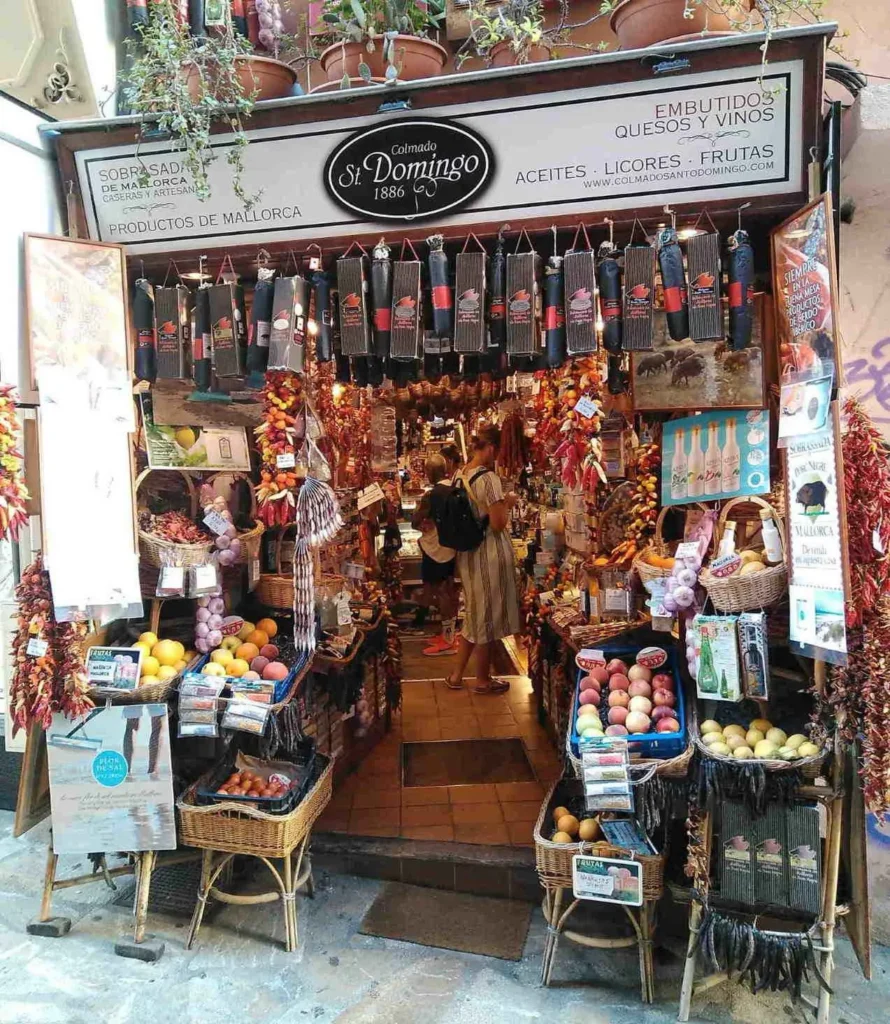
(434, 572)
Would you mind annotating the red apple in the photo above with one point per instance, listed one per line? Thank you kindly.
(641, 704)
(663, 711)
(639, 672)
(617, 716)
(618, 699)
(662, 681)
(667, 725)
(663, 698)
(618, 682)
(637, 722)
(590, 697)
(616, 665)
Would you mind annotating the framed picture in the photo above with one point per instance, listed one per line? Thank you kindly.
(805, 290)
(701, 374)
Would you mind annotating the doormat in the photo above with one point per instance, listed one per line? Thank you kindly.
(465, 762)
(449, 920)
(174, 890)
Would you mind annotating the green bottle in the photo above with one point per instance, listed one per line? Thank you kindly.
(707, 675)
(724, 686)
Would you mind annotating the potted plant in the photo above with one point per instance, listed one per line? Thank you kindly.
(183, 86)
(515, 32)
(642, 23)
(381, 39)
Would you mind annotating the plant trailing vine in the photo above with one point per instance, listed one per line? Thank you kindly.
(182, 86)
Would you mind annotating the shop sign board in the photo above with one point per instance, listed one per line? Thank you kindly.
(607, 880)
(715, 136)
(817, 571)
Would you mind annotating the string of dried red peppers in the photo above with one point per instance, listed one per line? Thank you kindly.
(13, 493)
(278, 437)
(52, 681)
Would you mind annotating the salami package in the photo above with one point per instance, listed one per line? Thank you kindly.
(523, 301)
(407, 322)
(740, 278)
(469, 286)
(639, 293)
(579, 271)
(352, 285)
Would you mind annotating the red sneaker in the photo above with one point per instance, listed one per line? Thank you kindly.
(439, 648)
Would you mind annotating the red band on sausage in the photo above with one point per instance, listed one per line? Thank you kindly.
(674, 299)
(383, 319)
(441, 297)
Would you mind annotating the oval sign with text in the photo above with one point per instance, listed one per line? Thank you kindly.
(408, 169)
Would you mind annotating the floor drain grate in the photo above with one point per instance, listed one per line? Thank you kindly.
(174, 890)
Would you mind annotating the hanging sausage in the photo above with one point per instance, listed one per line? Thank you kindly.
(469, 285)
(440, 289)
(523, 300)
(260, 329)
(173, 313)
(609, 280)
(554, 310)
(673, 280)
(740, 278)
(407, 323)
(579, 269)
(202, 341)
(705, 308)
(144, 328)
(639, 290)
(320, 309)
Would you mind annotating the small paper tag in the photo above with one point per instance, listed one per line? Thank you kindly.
(590, 658)
(369, 496)
(205, 577)
(215, 522)
(688, 549)
(344, 612)
(725, 566)
(586, 407)
(617, 600)
(512, 385)
(876, 541)
(253, 573)
(286, 461)
(355, 571)
(172, 578)
(36, 648)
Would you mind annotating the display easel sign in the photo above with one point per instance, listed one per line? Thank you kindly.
(111, 782)
(607, 880)
(114, 668)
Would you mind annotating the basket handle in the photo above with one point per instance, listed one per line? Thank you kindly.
(662, 515)
(753, 499)
(278, 543)
(236, 475)
(189, 483)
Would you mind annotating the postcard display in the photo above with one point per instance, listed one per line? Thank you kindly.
(628, 364)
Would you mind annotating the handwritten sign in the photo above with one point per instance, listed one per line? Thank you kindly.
(369, 496)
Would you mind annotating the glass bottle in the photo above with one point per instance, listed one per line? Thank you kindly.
(696, 466)
(772, 542)
(679, 468)
(724, 686)
(713, 472)
(707, 675)
(727, 541)
(731, 461)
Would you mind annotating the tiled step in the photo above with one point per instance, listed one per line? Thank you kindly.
(506, 871)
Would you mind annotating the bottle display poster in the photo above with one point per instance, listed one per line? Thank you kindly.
(817, 569)
(715, 455)
(110, 780)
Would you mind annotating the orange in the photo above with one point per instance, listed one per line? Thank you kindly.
(269, 627)
(237, 667)
(258, 637)
(247, 652)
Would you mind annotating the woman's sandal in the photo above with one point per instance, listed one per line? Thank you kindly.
(452, 685)
(494, 686)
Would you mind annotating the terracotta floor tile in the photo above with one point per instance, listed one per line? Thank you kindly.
(478, 794)
(332, 821)
(499, 732)
(521, 833)
(488, 706)
(483, 814)
(521, 810)
(461, 732)
(452, 721)
(437, 814)
(419, 731)
(378, 817)
(536, 739)
(374, 796)
(514, 791)
(485, 835)
(443, 833)
(451, 701)
(411, 691)
(423, 796)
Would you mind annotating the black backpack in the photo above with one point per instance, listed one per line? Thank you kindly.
(454, 514)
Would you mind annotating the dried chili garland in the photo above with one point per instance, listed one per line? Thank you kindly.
(279, 435)
(54, 681)
(13, 493)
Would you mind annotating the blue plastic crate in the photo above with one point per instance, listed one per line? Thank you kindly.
(651, 744)
(281, 687)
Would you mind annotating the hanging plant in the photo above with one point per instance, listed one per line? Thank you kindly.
(182, 87)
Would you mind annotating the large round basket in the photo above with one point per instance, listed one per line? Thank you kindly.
(158, 552)
(276, 589)
(601, 632)
(809, 767)
(235, 828)
(554, 860)
(754, 590)
(250, 539)
(641, 567)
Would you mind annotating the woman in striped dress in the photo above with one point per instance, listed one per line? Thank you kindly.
(488, 574)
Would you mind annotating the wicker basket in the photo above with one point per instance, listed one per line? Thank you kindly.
(276, 589)
(233, 828)
(755, 590)
(589, 636)
(157, 552)
(810, 767)
(640, 566)
(641, 768)
(154, 693)
(554, 860)
(250, 539)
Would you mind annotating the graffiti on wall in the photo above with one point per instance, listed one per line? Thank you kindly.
(869, 379)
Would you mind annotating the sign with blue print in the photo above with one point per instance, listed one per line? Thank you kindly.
(715, 455)
(109, 768)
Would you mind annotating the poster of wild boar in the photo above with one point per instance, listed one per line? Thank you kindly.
(699, 374)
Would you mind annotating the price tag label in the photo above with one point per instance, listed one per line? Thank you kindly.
(36, 648)
(876, 541)
(216, 523)
(369, 496)
(512, 385)
(344, 612)
(596, 885)
(688, 549)
(172, 578)
(253, 573)
(586, 407)
(617, 600)
(205, 577)
(286, 461)
(354, 571)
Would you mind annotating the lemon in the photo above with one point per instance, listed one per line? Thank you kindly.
(754, 736)
(720, 748)
(736, 730)
(777, 736)
(222, 657)
(795, 741)
(212, 669)
(185, 437)
(148, 638)
(761, 725)
(237, 667)
(166, 672)
(710, 726)
(148, 680)
(807, 750)
(150, 666)
(709, 739)
(180, 649)
(167, 652)
(734, 742)
(743, 753)
(146, 650)
(765, 749)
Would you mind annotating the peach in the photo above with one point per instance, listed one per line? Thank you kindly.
(618, 699)
(618, 682)
(590, 697)
(617, 715)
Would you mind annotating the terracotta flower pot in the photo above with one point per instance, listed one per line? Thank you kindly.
(270, 79)
(415, 57)
(642, 23)
(354, 83)
(504, 56)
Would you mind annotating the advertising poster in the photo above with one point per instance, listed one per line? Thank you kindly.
(804, 407)
(805, 289)
(715, 455)
(815, 544)
(114, 668)
(607, 880)
(192, 447)
(111, 783)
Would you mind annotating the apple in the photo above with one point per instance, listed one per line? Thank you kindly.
(599, 674)
(639, 672)
(637, 722)
(640, 705)
(663, 698)
(662, 681)
(667, 725)
(588, 683)
(663, 711)
(590, 697)
(616, 730)
(639, 688)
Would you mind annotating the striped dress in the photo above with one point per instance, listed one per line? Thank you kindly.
(488, 574)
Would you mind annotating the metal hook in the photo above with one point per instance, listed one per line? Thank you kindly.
(142, 269)
(553, 229)
(262, 257)
(673, 213)
(611, 223)
(501, 230)
(744, 206)
(201, 274)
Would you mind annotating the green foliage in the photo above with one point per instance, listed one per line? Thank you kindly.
(165, 62)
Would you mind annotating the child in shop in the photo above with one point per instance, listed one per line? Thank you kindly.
(437, 561)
